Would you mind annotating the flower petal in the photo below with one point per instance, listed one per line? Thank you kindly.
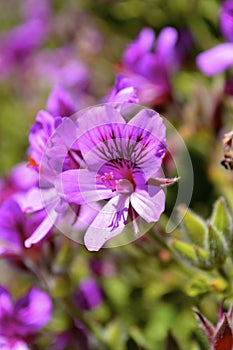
(60, 103)
(165, 45)
(6, 306)
(108, 223)
(216, 60)
(151, 135)
(33, 310)
(149, 208)
(139, 47)
(79, 186)
(43, 229)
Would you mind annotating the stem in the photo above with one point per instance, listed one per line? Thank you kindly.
(75, 313)
(160, 241)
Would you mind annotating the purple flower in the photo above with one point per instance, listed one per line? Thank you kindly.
(60, 103)
(39, 135)
(12, 344)
(21, 321)
(226, 20)
(15, 227)
(19, 44)
(88, 294)
(33, 9)
(120, 163)
(62, 67)
(216, 60)
(219, 58)
(54, 152)
(150, 63)
(123, 91)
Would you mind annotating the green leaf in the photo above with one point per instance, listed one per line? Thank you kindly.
(203, 258)
(185, 250)
(194, 226)
(217, 246)
(222, 219)
(199, 285)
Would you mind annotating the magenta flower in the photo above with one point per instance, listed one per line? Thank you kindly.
(226, 20)
(88, 294)
(120, 163)
(62, 67)
(12, 344)
(55, 154)
(219, 58)
(123, 91)
(21, 321)
(60, 103)
(150, 63)
(15, 227)
(221, 336)
(18, 45)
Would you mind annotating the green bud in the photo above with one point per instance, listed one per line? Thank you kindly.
(185, 250)
(203, 259)
(194, 226)
(222, 219)
(217, 246)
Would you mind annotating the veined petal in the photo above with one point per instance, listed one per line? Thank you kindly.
(150, 121)
(216, 60)
(108, 223)
(98, 115)
(149, 208)
(79, 186)
(43, 229)
(97, 127)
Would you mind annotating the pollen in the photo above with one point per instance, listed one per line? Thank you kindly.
(32, 162)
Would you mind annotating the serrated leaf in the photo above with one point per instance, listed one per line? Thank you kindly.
(222, 219)
(216, 245)
(185, 250)
(194, 226)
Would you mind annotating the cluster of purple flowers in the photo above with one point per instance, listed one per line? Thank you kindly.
(94, 173)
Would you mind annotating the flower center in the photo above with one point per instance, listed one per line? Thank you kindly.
(122, 186)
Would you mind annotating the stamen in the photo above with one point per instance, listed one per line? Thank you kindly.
(32, 162)
(120, 215)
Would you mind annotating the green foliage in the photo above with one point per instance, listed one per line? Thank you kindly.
(209, 243)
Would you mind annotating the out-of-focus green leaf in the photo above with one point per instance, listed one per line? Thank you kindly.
(200, 284)
(114, 335)
(217, 246)
(194, 226)
(222, 219)
(185, 250)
